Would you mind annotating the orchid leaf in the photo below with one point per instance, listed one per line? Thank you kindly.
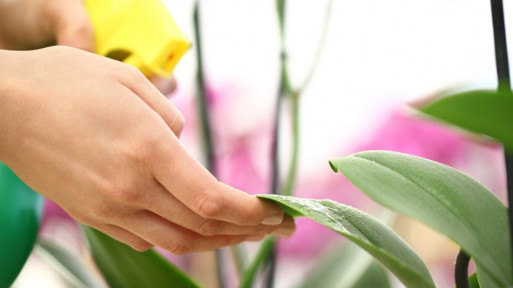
(484, 112)
(20, 217)
(473, 281)
(68, 265)
(124, 267)
(365, 231)
(441, 197)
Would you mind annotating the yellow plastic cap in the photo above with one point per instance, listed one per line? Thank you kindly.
(138, 32)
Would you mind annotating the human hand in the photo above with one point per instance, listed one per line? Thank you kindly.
(33, 24)
(94, 136)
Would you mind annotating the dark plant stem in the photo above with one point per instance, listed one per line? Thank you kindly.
(275, 172)
(461, 270)
(501, 48)
(504, 86)
(202, 97)
(208, 147)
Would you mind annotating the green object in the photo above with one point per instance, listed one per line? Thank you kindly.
(124, 267)
(69, 266)
(20, 216)
(263, 254)
(365, 231)
(484, 112)
(441, 197)
(347, 266)
(473, 281)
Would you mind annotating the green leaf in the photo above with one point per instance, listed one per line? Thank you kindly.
(124, 267)
(68, 265)
(347, 266)
(441, 197)
(20, 216)
(365, 231)
(473, 281)
(483, 112)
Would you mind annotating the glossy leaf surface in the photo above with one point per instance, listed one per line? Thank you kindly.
(365, 231)
(441, 197)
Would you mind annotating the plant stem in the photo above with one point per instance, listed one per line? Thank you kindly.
(501, 48)
(275, 171)
(208, 147)
(239, 258)
(504, 86)
(202, 97)
(263, 254)
(291, 178)
(320, 47)
(461, 270)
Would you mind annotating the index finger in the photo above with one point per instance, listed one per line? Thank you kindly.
(199, 190)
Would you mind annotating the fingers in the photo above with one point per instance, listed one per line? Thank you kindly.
(161, 200)
(160, 232)
(164, 85)
(188, 181)
(127, 237)
(143, 88)
(71, 24)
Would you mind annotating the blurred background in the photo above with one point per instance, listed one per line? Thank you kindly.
(378, 57)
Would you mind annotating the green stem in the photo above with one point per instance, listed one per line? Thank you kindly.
(291, 178)
(240, 259)
(263, 254)
(320, 47)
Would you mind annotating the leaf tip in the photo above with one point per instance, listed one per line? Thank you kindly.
(333, 167)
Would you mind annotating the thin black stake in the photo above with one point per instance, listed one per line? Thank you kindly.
(461, 270)
(504, 86)
(205, 125)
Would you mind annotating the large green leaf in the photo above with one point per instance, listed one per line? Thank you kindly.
(20, 215)
(365, 231)
(348, 265)
(484, 112)
(124, 267)
(441, 197)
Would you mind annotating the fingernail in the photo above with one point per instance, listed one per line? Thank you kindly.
(273, 219)
(284, 232)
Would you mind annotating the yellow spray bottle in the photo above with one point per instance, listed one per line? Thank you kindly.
(138, 32)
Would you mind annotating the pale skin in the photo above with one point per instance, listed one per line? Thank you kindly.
(96, 137)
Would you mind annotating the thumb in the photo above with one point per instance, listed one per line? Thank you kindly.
(72, 24)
